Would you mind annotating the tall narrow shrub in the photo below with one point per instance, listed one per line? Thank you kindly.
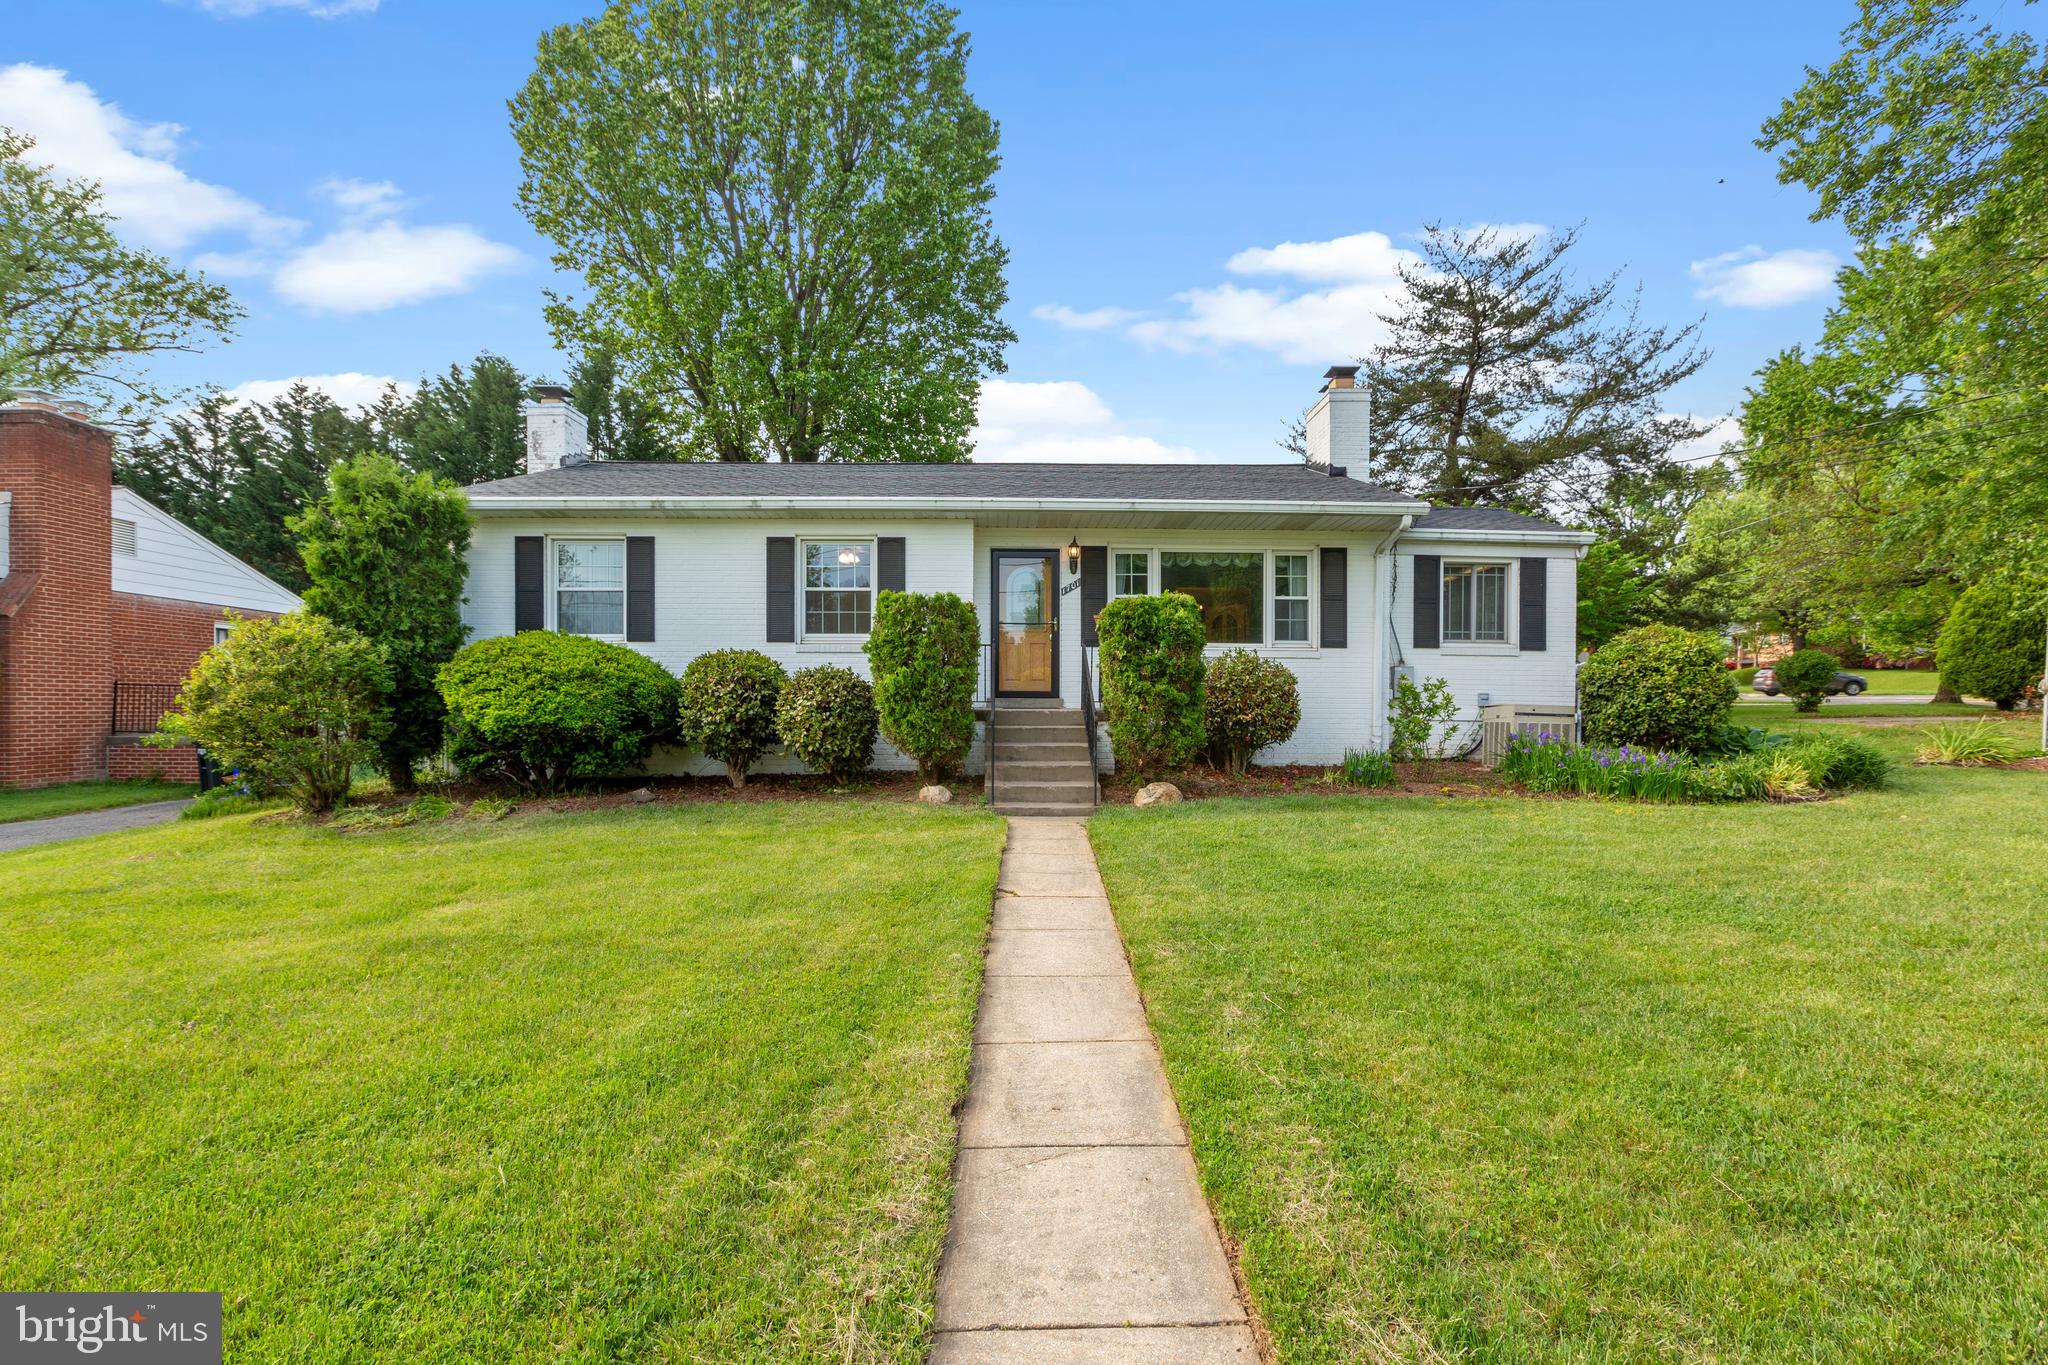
(1152, 680)
(924, 650)
(385, 551)
(1991, 645)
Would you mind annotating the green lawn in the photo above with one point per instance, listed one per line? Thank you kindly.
(36, 802)
(1566, 1080)
(1771, 710)
(666, 1084)
(1897, 682)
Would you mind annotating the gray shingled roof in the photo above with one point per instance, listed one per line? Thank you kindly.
(1047, 481)
(1481, 519)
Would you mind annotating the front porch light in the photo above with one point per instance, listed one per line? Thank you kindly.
(1074, 554)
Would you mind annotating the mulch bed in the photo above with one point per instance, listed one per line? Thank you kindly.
(1435, 778)
(688, 791)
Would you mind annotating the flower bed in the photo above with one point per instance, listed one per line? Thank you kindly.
(1771, 767)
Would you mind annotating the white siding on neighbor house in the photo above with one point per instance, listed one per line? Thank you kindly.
(175, 562)
(1505, 672)
(711, 590)
(1341, 706)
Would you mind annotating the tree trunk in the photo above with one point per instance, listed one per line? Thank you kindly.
(1944, 693)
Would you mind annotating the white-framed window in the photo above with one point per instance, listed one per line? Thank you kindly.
(1290, 599)
(1475, 603)
(839, 587)
(221, 631)
(1130, 573)
(590, 588)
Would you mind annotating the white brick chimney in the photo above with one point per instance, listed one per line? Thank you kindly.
(1340, 424)
(556, 434)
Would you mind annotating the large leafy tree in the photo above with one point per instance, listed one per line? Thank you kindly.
(780, 213)
(80, 313)
(1504, 382)
(1924, 405)
(385, 550)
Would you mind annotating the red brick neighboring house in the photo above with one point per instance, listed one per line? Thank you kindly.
(105, 605)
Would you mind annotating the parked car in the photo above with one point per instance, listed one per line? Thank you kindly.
(1848, 684)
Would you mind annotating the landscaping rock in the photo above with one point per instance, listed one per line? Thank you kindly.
(640, 795)
(1157, 794)
(935, 796)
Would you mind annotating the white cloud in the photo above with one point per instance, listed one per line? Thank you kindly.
(83, 137)
(1317, 326)
(368, 269)
(351, 388)
(361, 198)
(1362, 257)
(1077, 320)
(319, 9)
(1755, 278)
(1721, 430)
(1059, 420)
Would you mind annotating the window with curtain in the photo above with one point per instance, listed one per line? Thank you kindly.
(1229, 585)
(1475, 602)
(839, 587)
(1290, 599)
(590, 587)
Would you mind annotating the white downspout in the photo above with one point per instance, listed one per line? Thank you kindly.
(1386, 641)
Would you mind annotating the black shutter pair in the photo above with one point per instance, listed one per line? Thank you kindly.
(529, 585)
(1428, 595)
(889, 577)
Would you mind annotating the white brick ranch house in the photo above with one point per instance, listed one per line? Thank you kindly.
(1309, 563)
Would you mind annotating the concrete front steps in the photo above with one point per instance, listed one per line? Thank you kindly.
(1042, 765)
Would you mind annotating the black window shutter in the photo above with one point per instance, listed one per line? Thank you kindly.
(529, 583)
(639, 587)
(1336, 600)
(781, 589)
(1535, 625)
(889, 563)
(1429, 597)
(1094, 588)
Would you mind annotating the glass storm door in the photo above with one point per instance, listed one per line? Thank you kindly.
(1026, 622)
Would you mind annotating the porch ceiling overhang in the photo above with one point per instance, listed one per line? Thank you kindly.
(1076, 513)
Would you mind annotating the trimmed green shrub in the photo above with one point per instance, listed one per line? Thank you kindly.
(1745, 677)
(1248, 704)
(1657, 687)
(1152, 680)
(1991, 645)
(924, 650)
(827, 718)
(546, 710)
(1804, 676)
(728, 707)
(295, 703)
(1421, 720)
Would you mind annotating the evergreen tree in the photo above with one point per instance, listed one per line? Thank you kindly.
(464, 425)
(624, 424)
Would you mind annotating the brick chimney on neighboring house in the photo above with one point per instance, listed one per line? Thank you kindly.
(56, 657)
(556, 434)
(1340, 424)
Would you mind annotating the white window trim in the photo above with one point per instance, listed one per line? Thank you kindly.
(1267, 644)
(840, 638)
(554, 588)
(1510, 624)
(221, 631)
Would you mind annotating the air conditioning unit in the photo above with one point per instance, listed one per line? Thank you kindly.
(1504, 720)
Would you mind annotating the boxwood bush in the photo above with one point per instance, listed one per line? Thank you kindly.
(1991, 645)
(827, 718)
(546, 710)
(728, 707)
(1804, 676)
(1248, 704)
(1656, 687)
(924, 650)
(1152, 680)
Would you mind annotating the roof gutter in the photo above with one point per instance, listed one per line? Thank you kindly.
(1504, 537)
(699, 505)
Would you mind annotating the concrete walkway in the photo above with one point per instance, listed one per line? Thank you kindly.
(28, 833)
(1079, 1233)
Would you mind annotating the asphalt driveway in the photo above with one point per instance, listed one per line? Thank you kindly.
(29, 833)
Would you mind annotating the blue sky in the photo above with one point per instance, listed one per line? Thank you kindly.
(1203, 202)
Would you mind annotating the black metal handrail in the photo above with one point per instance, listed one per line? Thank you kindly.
(138, 707)
(1089, 722)
(988, 727)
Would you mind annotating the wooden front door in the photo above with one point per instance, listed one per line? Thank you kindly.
(1026, 623)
